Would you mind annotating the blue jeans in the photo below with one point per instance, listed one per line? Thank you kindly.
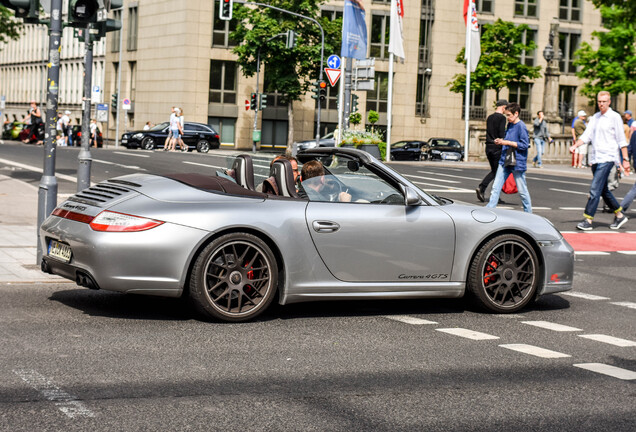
(627, 201)
(500, 179)
(599, 189)
(540, 144)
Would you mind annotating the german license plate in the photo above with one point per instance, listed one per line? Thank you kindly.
(124, 141)
(59, 250)
(451, 157)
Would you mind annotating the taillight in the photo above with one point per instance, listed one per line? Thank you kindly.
(78, 217)
(119, 222)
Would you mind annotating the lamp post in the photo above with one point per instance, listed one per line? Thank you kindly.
(551, 87)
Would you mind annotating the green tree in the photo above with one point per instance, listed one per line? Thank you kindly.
(612, 66)
(372, 118)
(9, 27)
(289, 71)
(499, 64)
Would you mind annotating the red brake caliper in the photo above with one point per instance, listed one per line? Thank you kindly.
(493, 266)
(250, 276)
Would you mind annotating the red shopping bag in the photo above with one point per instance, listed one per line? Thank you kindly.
(510, 186)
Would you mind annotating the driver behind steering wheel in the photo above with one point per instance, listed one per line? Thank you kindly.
(314, 185)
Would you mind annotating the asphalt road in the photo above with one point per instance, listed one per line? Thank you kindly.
(74, 359)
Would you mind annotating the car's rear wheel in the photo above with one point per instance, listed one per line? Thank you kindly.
(503, 276)
(203, 146)
(148, 143)
(235, 278)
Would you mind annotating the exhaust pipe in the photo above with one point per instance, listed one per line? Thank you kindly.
(44, 266)
(85, 280)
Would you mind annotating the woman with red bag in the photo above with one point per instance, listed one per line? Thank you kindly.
(514, 157)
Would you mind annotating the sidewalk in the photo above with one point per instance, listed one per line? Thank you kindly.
(18, 244)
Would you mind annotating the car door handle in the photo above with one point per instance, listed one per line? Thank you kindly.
(325, 226)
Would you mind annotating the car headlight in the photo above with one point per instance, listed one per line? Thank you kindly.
(138, 136)
(436, 152)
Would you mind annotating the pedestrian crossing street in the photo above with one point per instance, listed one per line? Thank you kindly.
(537, 351)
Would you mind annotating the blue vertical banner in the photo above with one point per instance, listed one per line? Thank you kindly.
(354, 31)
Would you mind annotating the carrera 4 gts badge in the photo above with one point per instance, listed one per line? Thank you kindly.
(75, 207)
(428, 276)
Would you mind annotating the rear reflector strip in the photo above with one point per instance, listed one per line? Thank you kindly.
(78, 217)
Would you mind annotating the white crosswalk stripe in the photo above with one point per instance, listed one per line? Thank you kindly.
(609, 340)
(468, 334)
(551, 326)
(630, 305)
(605, 369)
(584, 296)
(409, 319)
(535, 351)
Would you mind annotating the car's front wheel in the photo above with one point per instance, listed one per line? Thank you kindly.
(148, 143)
(203, 146)
(235, 278)
(504, 274)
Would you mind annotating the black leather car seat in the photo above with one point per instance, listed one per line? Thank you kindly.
(244, 171)
(284, 176)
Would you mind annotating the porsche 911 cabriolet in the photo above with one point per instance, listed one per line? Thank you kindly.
(232, 249)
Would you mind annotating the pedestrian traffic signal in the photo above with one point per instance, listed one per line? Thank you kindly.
(29, 10)
(113, 100)
(225, 9)
(263, 104)
(254, 101)
(323, 91)
(82, 12)
(354, 103)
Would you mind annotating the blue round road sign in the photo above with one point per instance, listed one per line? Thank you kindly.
(333, 61)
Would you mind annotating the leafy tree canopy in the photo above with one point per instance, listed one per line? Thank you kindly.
(9, 27)
(612, 66)
(499, 64)
(290, 71)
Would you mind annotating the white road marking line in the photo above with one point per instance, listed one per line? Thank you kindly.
(438, 185)
(431, 178)
(132, 154)
(451, 175)
(447, 190)
(609, 340)
(605, 369)
(572, 208)
(552, 326)
(627, 252)
(590, 253)
(468, 334)
(67, 403)
(630, 305)
(569, 191)
(203, 165)
(584, 296)
(541, 208)
(133, 167)
(535, 351)
(558, 181)
(36, 169)
(509, 315)
(409, 319)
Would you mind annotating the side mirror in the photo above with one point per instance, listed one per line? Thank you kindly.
(411, 198)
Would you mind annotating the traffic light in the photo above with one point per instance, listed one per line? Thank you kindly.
(315, 90)
(254, 101)
(225, 9)
(114, 99)
(107, 26)
(82, 12)
(323, 91)
(263, 101)
(290, 37)
(27, 9)
(354, 103)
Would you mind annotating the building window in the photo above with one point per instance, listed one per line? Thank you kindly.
(570, 10)
(332, 15)
(477, 106)
(275, 99)
(377, 99)
(133, 80)
(484, 6)
(526, 8)
(568, 44)
(425, 64)
(222, 82)
(114, 36)
(520, 93)
(528, 57)
(274, 133)
(225, 127)
(566, 103)
(379, 36)
(421, 94)
(221, 30)
(132, 29)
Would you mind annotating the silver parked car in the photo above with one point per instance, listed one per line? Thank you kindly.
(231, 249)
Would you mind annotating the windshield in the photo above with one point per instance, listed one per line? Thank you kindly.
(445, 143)
(159, 127)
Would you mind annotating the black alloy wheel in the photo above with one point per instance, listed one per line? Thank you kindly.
(503, 276)
(203, 146)
(235, 278)
(148, 143)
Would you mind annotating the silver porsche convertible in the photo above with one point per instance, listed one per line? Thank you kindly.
(364, 232)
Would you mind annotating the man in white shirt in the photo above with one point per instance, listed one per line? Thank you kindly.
(605, 132)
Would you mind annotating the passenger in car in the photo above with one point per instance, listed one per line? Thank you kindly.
(269, 185)
(313, 184)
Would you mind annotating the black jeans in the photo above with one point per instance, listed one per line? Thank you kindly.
(493, 154)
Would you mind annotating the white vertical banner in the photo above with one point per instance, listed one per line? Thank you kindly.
(472, 54)
(396, 48)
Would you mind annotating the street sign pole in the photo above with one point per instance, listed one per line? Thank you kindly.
(85, 160)
(47, 191)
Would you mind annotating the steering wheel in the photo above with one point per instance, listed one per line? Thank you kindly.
(332, 189)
